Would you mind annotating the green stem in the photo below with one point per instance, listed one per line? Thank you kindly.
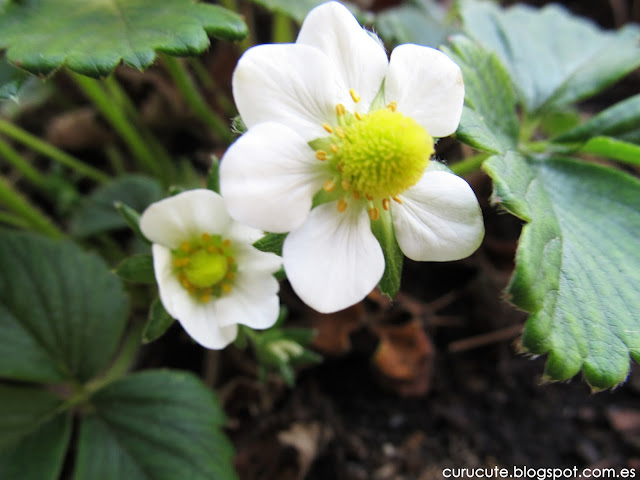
(52, 152)
(469, 164)
(119, 121)
(15, 202)
(194, 99)
(14, 220)
(206, 80)
(22, 165)
(282, 31)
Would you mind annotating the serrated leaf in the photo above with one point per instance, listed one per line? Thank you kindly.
(33, 436)
(554, 58)
(137, 268)
(489, 120)
(10, 80)
(158, 323)
(92, 38)
(62, 312)
(424, 23)
(159, 425)
(621, 121)
(98, 214)
(577, 264)
(613, 148)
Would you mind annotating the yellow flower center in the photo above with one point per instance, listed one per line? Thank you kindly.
(205, 266)
(373, 157)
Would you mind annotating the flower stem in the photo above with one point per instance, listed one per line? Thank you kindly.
(22, 165)
(119, 121)
(281, 28)
(52, 152)
(207, 81)
(17, 203)
(469, 164)
(194, 98)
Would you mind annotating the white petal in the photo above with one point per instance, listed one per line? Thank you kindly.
(251, 259)
(182, 217)
(333, 261)
(359, 58)
(427, 86)
(295, 85)
(253, 301)
(200, 320)
(268, 178)
(439, 219)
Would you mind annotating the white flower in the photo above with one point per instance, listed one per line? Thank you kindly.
(332, 114)
(209, 275)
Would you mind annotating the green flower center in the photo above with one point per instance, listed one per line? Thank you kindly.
(373, 157)
(205, 266)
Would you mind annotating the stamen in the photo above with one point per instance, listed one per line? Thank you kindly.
(181, 262)
(339, 167)
(329, 185)
(397, 200)
(386, 203)
(346, 185)
(359, 116)
(354, 95)
(356, 195)
(321, 155)
(340, 132)
(230, 261)
(206, 237)
(392, 106)
(369, 197)
(185, 247)
(226, 288)
(206, 296)
(374, 213)
(327, 127)
(340, 110)
(342, 205)
(226, 243)
(334, 148)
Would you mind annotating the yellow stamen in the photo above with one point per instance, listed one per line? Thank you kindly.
(226, 287)
(340, 132)
(185, 247)
(397, 200)
(329, 185)
(354, 95)
(342, 205)
(205, 297)
(226, 243)
(346, 185)
(356, 195)
(321, 155)
(334, 148)
(212, 249)
(393, 106)
(369, 197)
(181, 262)
(206, 237)
(340, 110)
(359, 116)
(230, 276)
(374, 213)
(327, 127)
(386, 203)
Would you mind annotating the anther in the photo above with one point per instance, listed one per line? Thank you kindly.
(212, 249)
(226, 243)
(397, 200)
(346, 185)
(206, 237)
(226, 287)
(340, 132)
(329, 185)
(327, 127)
(359, 116)
(185, 247)
(354, 95)
(334, 148)
(392, 106)
(369, 197)
(386, 203)
(205, 297)
(356, 195)
(181, 262)
(340, 110)
(321, 155)
(374, 213)
(342, 205)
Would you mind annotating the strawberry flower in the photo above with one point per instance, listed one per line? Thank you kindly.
(340, 136)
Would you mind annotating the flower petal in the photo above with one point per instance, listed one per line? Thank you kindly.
(182, 217)
(359, 58)
(292, 84)
(200, 320)
(253, 301)
(439, 219)
(427, 86)
(268, 178)
(333, 260)
(250, 259)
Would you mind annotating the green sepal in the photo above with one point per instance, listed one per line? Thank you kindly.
(137, 268)
(213, 179)
(158, 322)
(132, 217)
(271, 242)
(393, 256)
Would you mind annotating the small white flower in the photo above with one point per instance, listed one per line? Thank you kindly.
(209, 275)
(335, 125)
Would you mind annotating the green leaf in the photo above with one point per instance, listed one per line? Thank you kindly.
(393, 256)
(271, 242)
(158, 323)
(423, 23)
(10, 80)
(160, 425)
(621, 121)
(577, 264)
(98, 214)
(137, 268)
(33, 435)
(62, 312)
(554, 58)
(489, 120)
(299, 9)
(92, 38)
(612, 148)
